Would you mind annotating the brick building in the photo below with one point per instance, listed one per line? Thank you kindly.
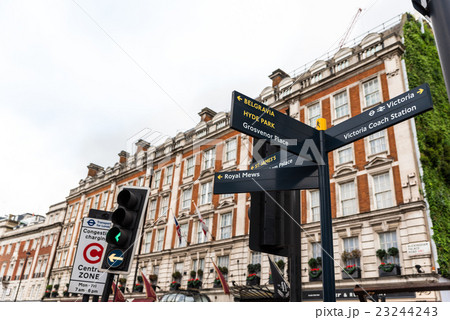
(375, 187)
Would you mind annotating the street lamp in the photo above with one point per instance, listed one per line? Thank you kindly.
(21, 275)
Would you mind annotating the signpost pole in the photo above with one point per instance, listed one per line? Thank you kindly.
(329, 286)
(294, 260)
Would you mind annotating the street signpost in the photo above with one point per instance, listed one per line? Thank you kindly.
(259, 121)
(289, 172)
(86, 278)
(292, 178)
(398, 109)
(281, 159)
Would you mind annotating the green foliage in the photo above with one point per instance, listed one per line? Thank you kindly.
(433, 132)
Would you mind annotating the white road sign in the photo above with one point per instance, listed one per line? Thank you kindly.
(86, 278)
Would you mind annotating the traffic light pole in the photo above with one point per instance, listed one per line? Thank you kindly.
(326, 227)
(107, 289)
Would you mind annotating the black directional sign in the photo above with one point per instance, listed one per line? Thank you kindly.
(398, 109)
(292, 178)
(281, 159)
(259, 121)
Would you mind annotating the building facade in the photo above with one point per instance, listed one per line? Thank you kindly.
(376, 196)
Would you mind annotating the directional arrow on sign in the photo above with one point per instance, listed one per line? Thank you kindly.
(113, 258)
(259, 121)
(292, 178)
(398, 109)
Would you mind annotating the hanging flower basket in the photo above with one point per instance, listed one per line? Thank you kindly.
(315, 274)
(47, 294)
(253, 279)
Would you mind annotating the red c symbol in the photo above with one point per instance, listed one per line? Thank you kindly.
(93, 253)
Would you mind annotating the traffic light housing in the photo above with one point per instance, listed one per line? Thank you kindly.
(127, 223)
(274, 215)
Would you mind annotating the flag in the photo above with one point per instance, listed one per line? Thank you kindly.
(151, 295)
(177, 226)
(204, 226)
(118, 297)
(280, 286)
(224, 283)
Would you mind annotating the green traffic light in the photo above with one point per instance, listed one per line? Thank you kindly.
(118, 236)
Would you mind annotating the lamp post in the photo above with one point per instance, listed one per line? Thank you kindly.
(21, 275)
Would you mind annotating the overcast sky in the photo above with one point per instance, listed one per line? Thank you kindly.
(79, 78)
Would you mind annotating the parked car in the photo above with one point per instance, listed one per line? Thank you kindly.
(185, 296)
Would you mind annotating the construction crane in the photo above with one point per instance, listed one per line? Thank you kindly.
(349, 29)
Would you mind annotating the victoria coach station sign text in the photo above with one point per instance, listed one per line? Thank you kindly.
(398, 109)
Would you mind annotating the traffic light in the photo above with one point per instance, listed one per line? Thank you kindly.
(127, 222)
(271, 213)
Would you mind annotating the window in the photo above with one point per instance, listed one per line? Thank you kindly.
(389, 240)
(8, 251)
(230, 147)
(208, 159)
(206, 193)
(348, 198)
(69, 234)
(178, 267)
(96, 201)
(164, 206)
(314, 114)
(169, 172)
(351, 244)
(140, 182)
(200, 235)
(256, 257)
(315, 205)
(224, 262)
(225, 226)
(341, 104)
(184, 234)
(147, 242)
(152, 209)
(190, 167)
(160, 240)
(371, 92)
(316, 250)
(157, 179)
(377, 142)
(104, 199)
(25, 247)
(87, 205)
(198, 265)
(345, 154)
(186, 198)
(382, 190)
(44, 244)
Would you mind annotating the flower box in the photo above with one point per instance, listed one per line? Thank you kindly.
(217, 283)
(174, 286)
(389, 269)
(253, 280)
(194, 284)
(315, 274)
(351, 272)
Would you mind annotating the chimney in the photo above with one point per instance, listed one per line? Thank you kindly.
(142, 145)
(123, 155)
(93, 169)
(206, 114)
(277, 76)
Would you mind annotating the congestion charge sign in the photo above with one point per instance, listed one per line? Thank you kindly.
(86, 278)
